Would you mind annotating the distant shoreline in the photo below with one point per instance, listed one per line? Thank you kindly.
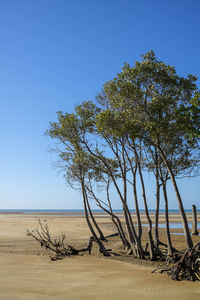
(77, 212)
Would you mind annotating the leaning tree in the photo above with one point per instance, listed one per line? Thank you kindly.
(69, 131)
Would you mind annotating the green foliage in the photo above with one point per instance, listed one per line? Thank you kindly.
(149, 102)
(148, 105)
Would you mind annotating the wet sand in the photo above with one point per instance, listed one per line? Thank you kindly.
(27, 273)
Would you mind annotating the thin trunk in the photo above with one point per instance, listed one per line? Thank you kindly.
(194, 221)
(152, 250)
(188, 238)
(137, 248)
(156, 232)
(118, 225)
(122, 234)
(100, 244)
(136, 245)
(128, 218)
(113, 216)
(169, 242)
(182, 211)
(95, 223)
(117, 222)
(139, 223)
(129, 224)
(134, 171)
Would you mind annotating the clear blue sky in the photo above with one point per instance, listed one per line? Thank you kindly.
(56, 53)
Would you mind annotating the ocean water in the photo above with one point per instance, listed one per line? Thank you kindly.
(76, 211)
(174, 225)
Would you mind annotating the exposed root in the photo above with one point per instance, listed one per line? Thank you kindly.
(187, 267)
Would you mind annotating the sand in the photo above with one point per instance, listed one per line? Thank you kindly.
(27, 273)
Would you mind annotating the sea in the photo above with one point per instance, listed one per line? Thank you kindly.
(78, 212)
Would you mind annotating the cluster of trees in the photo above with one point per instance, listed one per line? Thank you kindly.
(145, 119)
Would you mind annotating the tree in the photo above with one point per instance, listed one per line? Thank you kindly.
(69, 131)
(145, 119)
(162, 110)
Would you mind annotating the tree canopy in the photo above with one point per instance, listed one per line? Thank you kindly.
(145, 118)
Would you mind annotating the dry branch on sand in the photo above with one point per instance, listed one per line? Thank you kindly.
(57, 247)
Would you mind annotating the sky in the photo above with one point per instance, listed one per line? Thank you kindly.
(55, 54)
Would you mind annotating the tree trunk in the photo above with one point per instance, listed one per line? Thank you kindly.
(156, 232)
(128, 226)
(139, 235)
(95, 223)
(194, 220)
(157, 213)
(136, 244)
(188, 238)
(100, 244)
(169, 242)
(137, 207)
(182, 211)
(117, 223)
(152, 250)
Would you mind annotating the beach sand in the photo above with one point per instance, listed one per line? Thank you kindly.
(27, 273)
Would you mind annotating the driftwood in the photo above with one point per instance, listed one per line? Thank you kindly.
(187, 267)
(57, 247)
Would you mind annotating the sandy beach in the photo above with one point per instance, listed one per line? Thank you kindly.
(27, 273)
